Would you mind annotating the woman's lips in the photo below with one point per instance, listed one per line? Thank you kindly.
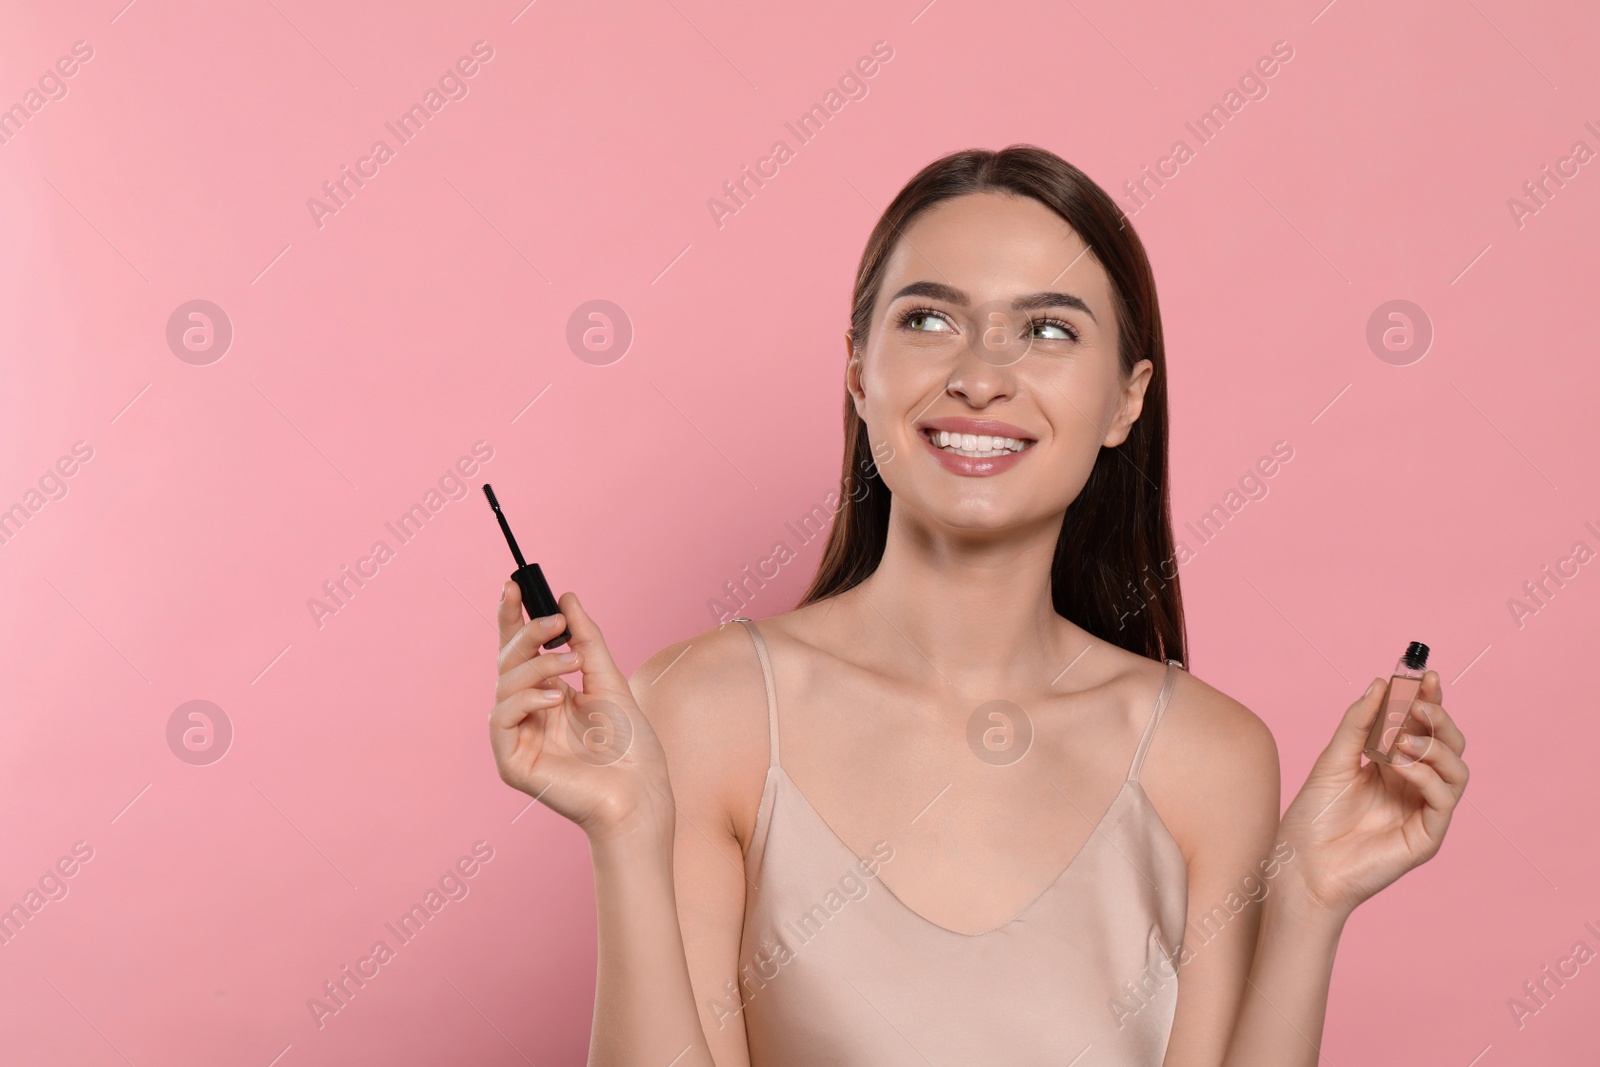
(971, 466)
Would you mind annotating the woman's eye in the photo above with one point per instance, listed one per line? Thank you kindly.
(1053, 331)
(926, 321)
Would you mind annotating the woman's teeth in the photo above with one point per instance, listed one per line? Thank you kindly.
(975, 445)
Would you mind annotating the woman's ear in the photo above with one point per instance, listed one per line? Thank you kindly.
(852, 373)
(1132, 402)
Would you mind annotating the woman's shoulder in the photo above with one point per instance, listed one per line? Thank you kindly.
(713, 659)
(1202, 730)
(705, 699)
(1213, 720)
(1212, 763)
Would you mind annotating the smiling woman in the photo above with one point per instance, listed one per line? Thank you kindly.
(973, 682)
(1042, 335)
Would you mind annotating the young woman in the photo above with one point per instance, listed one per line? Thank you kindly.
(928, 816)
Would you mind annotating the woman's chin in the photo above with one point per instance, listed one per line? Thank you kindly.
(979, 514)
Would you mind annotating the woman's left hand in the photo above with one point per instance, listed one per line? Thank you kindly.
(1356, 827)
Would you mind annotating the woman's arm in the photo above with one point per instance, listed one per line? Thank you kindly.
(705, 699)
(1212, 773)
(1286, 994)
(1254, 980)
(644, 1010)
(1357, 828)
(1269, 898)
(594, 757)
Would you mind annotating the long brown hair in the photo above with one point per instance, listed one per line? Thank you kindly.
(1115, 567)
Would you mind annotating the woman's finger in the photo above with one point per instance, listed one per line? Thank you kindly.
(509, 616)
(1431, 688)
(1415, 748)
(1344, 750)
(1440, 776)
(600, 673)
(1438, 805)
(524, 644)
(538, 672)
(510, 713)
(1430, 717)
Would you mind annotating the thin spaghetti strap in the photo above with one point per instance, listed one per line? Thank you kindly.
(1167, 682)
(766, 677)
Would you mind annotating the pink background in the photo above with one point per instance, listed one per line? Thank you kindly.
(370, 353)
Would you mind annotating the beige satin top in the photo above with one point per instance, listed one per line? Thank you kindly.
(836, 971)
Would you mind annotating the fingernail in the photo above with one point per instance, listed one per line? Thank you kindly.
(567, 658)
(504, 590)
(544, 622)
(1415, 742)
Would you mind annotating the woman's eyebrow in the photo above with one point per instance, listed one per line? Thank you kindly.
(933, 291)
(1032, 302)
(1040, 301)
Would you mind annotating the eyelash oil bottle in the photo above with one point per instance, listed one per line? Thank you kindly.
(1397, 700)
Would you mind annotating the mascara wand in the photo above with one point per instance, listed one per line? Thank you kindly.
(536, 596)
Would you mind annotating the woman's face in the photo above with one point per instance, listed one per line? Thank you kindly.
(991, 365)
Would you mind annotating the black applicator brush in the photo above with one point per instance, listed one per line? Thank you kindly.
(536, 596)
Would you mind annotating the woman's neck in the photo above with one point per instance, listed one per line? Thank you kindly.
(976, 611)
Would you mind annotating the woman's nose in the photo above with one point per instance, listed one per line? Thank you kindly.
(985, 368)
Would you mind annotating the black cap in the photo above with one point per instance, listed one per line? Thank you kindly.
(1416, 656)
(539, 601)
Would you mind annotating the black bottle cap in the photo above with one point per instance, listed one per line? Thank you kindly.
(539, 601)
(1416, 656)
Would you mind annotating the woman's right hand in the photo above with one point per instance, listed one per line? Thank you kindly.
(588, 754)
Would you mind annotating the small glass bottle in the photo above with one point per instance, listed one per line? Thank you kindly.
(1396, 714)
